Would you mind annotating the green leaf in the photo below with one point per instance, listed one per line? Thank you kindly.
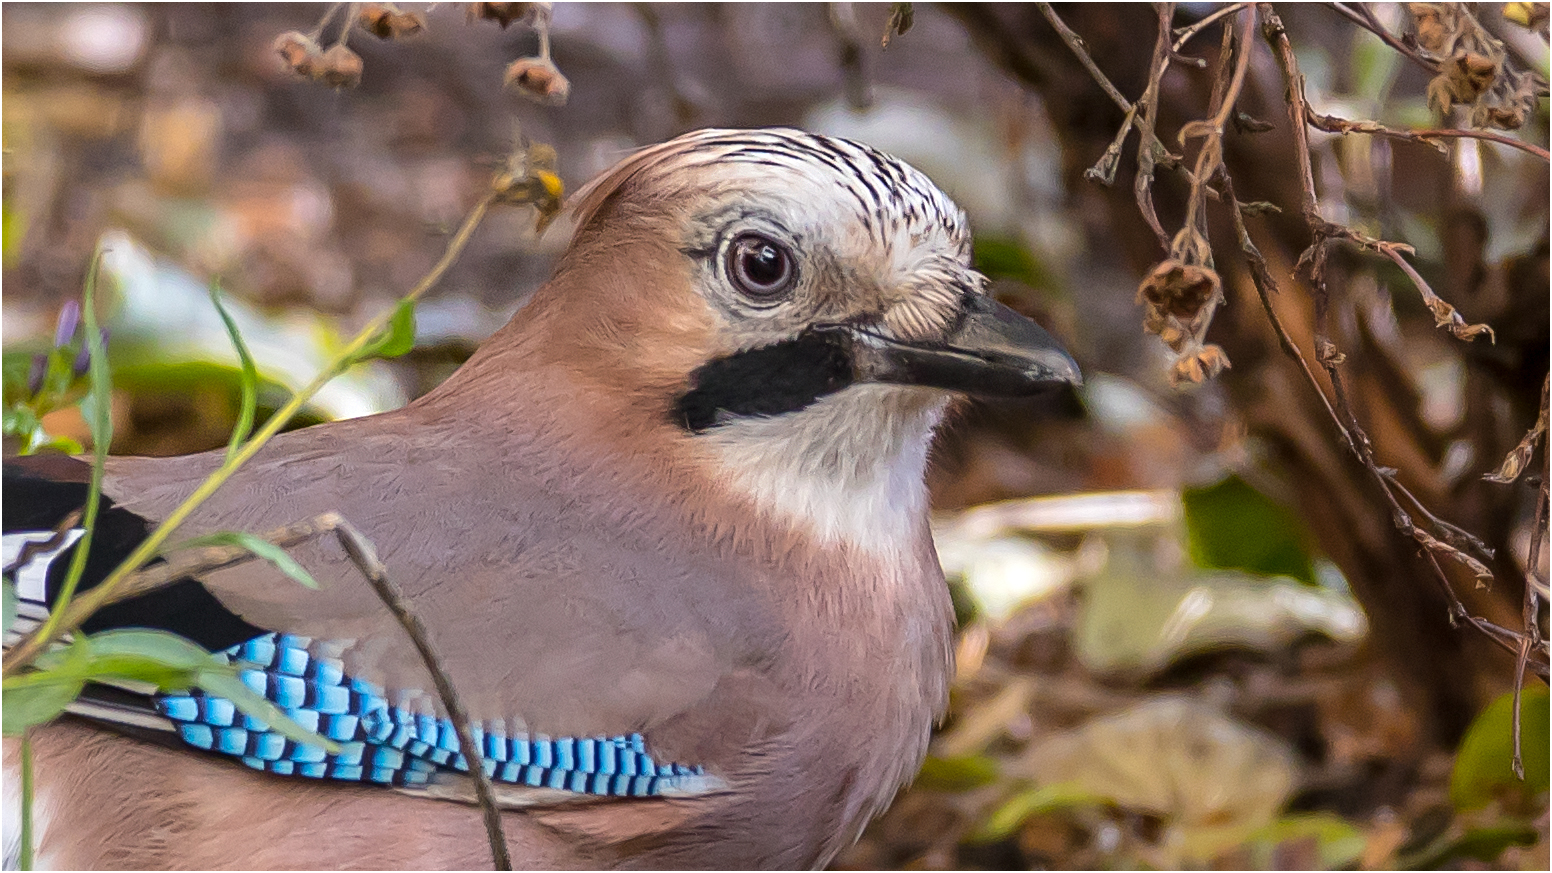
(224, 683)
(36, 704)
(397, 337)
(961, 773)
(1231, 525)
(160, 658)
(38, 696)
(250, 378)
(162, 646)
(259, 546)
(1482, 766)
(1006, 819)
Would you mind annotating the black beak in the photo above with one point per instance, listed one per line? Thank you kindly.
(993, 352)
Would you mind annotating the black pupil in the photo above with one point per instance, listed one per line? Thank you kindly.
(762, 263)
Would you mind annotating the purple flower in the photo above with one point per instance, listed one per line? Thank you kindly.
(69, 320)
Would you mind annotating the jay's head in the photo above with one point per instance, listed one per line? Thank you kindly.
(754, 273)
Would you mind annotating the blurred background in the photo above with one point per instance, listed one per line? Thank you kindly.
(1190, 633)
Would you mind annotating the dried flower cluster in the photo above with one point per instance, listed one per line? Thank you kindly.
(1473, 71)
(337, 66)
(536, 78)
(387, 21)
(1178, 300)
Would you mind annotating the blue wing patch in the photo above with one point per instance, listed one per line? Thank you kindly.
(389, 743)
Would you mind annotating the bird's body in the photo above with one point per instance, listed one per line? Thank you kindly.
(666, 501)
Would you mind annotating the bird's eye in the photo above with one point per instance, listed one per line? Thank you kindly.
(760, 267)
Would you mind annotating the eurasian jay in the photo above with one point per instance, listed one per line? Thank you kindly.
(667, 529)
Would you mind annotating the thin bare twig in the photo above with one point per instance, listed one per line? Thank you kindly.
(185, 563)
(1210, 158)
(1185, 34)
(1444, 315)
(1148, 110)
(1104, 169)
(1313, 263)
(1519, 457)
(1266, 288)
(1428, 136)
(1365, 19)
(365, 558)
(1530, 607)
(1080, 48)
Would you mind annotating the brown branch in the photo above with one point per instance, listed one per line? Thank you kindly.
(1429, 137)
(1148, 108)
(1266, 288)
(1530, 608)
(1080, 49)
(1209, 159)
(1104, 169)
(1185, 34)
(1519, 457)
(1444, 315)
(1313, 263)
(365, 558)
(1366, 20)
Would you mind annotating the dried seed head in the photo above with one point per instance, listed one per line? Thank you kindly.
(387, 21)
(1180, 289)
(299, 51)
(1472, 74)
(501, 13)
(540, 80)
(338, 67)
(1432, 31)
(1199, 365)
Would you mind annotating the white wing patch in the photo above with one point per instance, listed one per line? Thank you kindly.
(32, 577)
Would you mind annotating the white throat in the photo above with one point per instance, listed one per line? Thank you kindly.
(851, 468)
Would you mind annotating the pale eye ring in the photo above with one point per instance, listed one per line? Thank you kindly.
(761, 268)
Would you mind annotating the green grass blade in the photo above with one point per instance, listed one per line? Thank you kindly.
(250, 378)
(259, 546)
(97, 408)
